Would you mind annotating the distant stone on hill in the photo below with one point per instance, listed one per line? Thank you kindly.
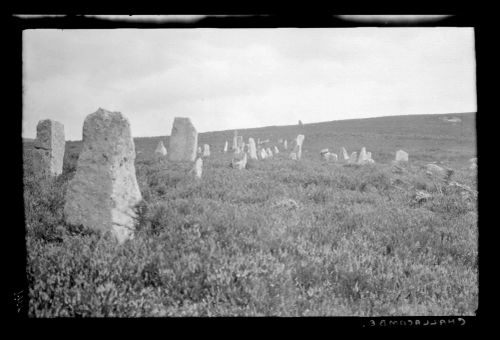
(345, 155)
(252, 149)
(353, 158)
(160, 151)
(269, 152)
(363, 156)
(48, 153)
(206, 150)
(401, 156)
(104, 191)
(183, 140)
(225, 147)
(235, 141)
(300, 123)
(239, 161)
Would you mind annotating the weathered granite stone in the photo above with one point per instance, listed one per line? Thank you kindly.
(353, 158)
(160, 151)
(345, 155)
(206, 150)
(198, 167)
(183, 140)
(252, 148)
(263, 153)
(276, 151)
(239, 161)
(104, 191)
(285, 144)
(48, 153)
(363, 157)
(401, 156)
(225, 147)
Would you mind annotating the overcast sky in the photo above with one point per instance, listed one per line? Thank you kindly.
(242, 78)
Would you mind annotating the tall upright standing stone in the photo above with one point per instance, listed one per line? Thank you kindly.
(48, 154)
(225, 147)
(345, 155)
(183, 140)
(198, 167)
(285, 144)
(298, 146)
(235, 140)
(401, 156)
(160, 151)
(206, 150)
(104, 191)
(252, 148)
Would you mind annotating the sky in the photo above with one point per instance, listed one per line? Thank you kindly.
(243, 78)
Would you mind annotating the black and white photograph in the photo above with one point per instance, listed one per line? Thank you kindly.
(250, 171)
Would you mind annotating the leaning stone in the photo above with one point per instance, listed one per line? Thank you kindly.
(276, 151)
(183, 140)
(263, 153)
(225, 147)
(104, 191)
(48, 153)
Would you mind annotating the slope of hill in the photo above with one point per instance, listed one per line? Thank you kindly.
(281, 238)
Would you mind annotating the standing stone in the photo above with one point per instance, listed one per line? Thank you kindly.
(285, 144)
(198, 167)
(300, 122)
(369, 155)
(401, 156)
(353, 157)
(239, 161)
(298, 146)
(160, 151)
(235, 140)
(263, 153)
(240, 143)
(48, 154)
(206, 150)
(363, 157)
(345, 155)
(252, 148)
(225, 147)
(104, 191)
(269, 152)
(183, 140)
(276, 151)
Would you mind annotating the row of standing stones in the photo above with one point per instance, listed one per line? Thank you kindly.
(104, 191)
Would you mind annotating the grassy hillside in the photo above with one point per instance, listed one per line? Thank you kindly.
(280, 238)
